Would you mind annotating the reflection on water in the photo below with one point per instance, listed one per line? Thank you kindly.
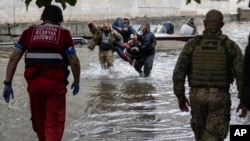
(115, 107)
(130, 109)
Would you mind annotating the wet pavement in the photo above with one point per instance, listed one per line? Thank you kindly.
(115, 107)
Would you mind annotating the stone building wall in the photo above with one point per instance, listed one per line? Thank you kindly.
(15, 17)
(14, 11)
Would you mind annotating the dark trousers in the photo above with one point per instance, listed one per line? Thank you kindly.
(119, 49)
(146, 63)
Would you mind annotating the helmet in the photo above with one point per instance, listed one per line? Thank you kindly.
(52, 13)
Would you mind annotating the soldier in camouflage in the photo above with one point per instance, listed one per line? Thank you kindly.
(211, 62)
(106, 39)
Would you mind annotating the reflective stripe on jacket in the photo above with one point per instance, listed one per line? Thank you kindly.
(44, 59)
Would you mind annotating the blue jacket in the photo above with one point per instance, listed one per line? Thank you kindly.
(117, 24)
(148, 39)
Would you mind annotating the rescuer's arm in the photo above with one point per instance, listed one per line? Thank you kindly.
(179, 76)
(76, 70)
(238, 72)
(10, 71)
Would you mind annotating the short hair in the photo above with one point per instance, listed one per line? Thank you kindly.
(214, 16)
(52, 13)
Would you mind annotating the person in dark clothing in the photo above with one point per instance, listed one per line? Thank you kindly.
(147, 52)
(191, 23)
(124, 28)
(246, 76)
(117, 24)
(127, 30)
(169, 27)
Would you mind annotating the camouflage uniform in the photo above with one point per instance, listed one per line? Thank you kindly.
(210, 62)
(106, 57)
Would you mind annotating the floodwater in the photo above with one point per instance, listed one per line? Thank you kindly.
(115, 107)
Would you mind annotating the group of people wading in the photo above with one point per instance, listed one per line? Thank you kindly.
(139, 50)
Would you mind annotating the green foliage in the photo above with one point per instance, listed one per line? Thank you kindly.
(199, 1)
(189, 1)
(238, 1)
(41, 3)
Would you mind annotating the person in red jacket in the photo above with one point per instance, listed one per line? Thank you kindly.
(49, 50)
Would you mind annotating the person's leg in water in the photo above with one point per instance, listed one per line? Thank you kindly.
(138, 66)
(148, 65)
(109, 58)
(48, 107)
(102, 59)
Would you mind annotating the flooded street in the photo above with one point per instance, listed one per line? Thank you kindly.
(115, 107)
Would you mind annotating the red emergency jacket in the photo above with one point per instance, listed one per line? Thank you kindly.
(45, 47)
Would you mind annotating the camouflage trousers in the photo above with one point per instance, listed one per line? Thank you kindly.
(106, 58)
(210, 111)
